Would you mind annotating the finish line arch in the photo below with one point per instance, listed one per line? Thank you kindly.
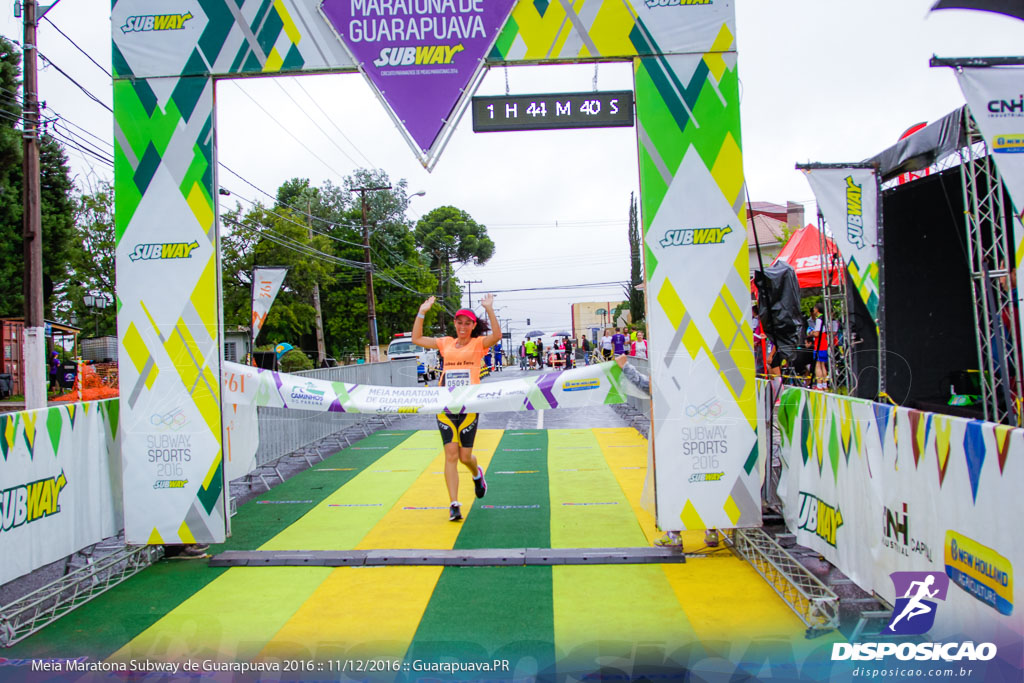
(691, 180)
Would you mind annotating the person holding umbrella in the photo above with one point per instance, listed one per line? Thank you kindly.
(462, 356)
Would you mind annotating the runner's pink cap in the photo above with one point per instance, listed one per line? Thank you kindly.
(466, 312)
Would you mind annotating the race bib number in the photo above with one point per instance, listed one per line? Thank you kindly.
(456, 378)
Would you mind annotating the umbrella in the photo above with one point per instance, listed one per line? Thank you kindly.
(561, 334)
(534, 333)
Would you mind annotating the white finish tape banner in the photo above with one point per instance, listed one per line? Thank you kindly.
(598, 384)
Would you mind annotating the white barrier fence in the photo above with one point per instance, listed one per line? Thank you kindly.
(61, 479)
(878, 489)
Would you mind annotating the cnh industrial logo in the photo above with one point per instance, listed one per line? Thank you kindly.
(914, 615)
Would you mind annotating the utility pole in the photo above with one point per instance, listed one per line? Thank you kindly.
(371, 309)
(35, 331)
(321, 349)
(471, 283)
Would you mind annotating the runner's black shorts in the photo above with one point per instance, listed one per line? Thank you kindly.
(458, 428)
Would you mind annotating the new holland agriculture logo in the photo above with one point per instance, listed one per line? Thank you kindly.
(30, 502)
(581, 384)
(1008, 144)
(170, 250)
(913, 615)
(156, 22)
(691, 236)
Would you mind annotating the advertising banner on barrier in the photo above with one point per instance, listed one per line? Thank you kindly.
(994, 97)
(599, 384)
(878, 489)
(61, 477)
(848, 198)
(266, 283)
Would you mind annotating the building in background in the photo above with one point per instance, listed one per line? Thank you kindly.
(773, 223)
(591, 318)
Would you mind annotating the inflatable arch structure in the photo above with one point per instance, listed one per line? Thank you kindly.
(166, 58)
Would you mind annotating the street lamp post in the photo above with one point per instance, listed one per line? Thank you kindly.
(95, 304)
(371, 309)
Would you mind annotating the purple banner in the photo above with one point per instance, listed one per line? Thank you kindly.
(420, 55)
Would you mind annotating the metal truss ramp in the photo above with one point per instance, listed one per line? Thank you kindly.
(815, 604)
(499, 557)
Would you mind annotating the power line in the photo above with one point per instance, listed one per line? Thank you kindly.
(306, 114)
(87, 55)
(329, 118)
(290, 134)
(79, 85)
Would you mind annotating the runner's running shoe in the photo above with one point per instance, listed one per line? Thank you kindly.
(480, 483)
(454, 512)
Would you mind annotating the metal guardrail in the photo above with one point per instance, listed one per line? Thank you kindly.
(284, 431)
(812, 601)
(42, 607)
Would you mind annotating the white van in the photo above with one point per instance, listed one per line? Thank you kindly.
(429, 360)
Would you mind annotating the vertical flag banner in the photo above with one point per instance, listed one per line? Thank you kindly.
(425, 59)
(848, 198)
(994, 96)
(420, 58)
(266, 283)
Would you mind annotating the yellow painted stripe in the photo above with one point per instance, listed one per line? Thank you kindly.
(383, 605)
(717, 578)
(589, 609)
(229, 619)
(588, 507)
(358, 613)
(363, 501)
(402, 528)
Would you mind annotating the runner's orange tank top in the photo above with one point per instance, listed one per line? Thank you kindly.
(461, 365)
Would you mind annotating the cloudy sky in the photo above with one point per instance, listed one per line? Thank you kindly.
(821, 81)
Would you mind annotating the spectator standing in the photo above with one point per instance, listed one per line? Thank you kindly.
(820, 347)
(531, 353)
(638, 348)
(540, 353)
(618, 343)
(606, 344)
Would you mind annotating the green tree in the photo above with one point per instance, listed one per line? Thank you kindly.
(272, 237)
(448, 235)
(56, 197)
(91, 260)
(633, 294)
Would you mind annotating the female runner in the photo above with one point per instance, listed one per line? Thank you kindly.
(462, 356)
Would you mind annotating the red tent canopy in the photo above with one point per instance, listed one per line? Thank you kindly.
(803, 253)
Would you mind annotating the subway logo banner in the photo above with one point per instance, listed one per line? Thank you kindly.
(848, 198)
(53, 501)
(922, 491)
(165, 56)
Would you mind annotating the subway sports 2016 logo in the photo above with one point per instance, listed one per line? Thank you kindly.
(170, 250)
(692, 236)
(156, 22)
